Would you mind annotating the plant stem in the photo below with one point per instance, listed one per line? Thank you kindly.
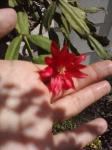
(40, 29)
(28, 48)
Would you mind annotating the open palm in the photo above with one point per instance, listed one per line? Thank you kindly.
(26, 111)
(27, 114)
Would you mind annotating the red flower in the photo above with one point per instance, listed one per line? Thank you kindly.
(62, 67)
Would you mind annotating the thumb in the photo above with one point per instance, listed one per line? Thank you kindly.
(7, 20)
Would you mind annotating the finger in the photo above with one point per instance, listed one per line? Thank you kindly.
(74, 103)
(7, 21)
(96, 72)
(80, 137)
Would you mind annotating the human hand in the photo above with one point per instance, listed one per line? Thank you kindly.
(7, 21)
(26, 112)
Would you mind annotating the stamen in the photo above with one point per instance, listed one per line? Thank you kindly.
(61, 70)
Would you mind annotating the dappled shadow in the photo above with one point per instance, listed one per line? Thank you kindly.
(9, 86)
(3, 98)
(69, 143)
(26, 99)
(32, 98)
(4, 95)
(41, 124)
(47, 141)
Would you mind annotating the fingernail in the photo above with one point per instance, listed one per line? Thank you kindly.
(103, 86)
(102, 126)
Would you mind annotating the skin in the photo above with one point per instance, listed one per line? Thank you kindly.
(26, 111)
(7, 21)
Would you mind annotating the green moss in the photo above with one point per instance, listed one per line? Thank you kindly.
(64, 126)
(95, 145)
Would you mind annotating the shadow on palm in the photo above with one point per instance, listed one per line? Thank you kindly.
(35, 132)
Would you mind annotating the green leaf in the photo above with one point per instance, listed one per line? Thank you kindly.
(99, 49)
(22, 23)
(80, 13)
(65, 27)
(39, 59)
(73, 49)
(74, 19)
(40, 41)
(49, 13)
(93, 9)
(12, 3)
(65, 33)
(13, 48)
(53, 35)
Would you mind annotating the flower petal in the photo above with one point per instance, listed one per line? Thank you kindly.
(56, 85)
(54, 49)
(65, 47)
(81, 66)
(79, 74)
(79, 59)
(49, 60)
(46, 73)
(68, 83)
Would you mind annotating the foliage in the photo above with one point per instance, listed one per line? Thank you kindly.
(96, 144)
(64, 126)
(69, 17)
